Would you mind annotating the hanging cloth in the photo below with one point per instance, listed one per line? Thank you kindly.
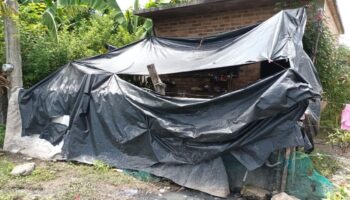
(345, 118)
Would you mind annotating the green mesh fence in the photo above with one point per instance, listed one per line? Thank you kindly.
(304, 181)
(142, 176)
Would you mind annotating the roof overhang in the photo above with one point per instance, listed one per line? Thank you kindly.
(336, 15)
(200, 6)
(208, 6)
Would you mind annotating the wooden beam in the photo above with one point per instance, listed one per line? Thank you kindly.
(159, 86)
(285, 170)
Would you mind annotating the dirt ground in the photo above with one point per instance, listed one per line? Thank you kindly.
(74, 181)
(341, 177)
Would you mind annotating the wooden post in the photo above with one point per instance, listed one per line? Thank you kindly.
(159, 86)
(13, 57)
(13, 49)
(285, 170)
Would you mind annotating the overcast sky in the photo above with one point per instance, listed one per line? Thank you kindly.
(344, 9)
(343, 5)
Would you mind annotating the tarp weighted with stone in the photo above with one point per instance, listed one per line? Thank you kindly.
(182, 139)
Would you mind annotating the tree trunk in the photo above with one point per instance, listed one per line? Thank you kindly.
(13, 56)
(13, 49)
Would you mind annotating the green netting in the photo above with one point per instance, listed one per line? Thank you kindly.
(304, 181)
(142, 176)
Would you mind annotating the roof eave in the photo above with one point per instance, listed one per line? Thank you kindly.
(336, 15)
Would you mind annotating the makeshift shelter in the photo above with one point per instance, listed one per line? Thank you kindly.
(182, 139)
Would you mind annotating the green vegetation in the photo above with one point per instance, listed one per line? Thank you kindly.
(340, 138)
(63, 180)
(332, 62)
(81, 32)
(340, 194)
(86, 37)
(32, 181)
(164, 3)
(98, 172)
(101, 166)
(334, 71)
(2, 135)
(324, 164)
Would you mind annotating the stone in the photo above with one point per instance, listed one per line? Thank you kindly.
(162, 190)
(131, 192)
(28, 158)
(283, 196)
(23, 170)
(251, 192)
(118, 170)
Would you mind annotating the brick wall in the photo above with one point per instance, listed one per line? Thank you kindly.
(206, 24)
(211, 23)
(330, 21)
(248, 74)
(209, 83)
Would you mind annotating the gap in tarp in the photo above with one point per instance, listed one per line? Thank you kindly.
(212, 82)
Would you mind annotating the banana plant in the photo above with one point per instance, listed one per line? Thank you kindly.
(133, 24)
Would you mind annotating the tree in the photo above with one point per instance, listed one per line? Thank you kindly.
(133, 24)
(13, 49)
(13, 57)
(52, 19)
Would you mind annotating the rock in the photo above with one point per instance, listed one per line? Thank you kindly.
(131, 192)
(162, 190)
(28, 158)
(283, 196)
(23, 170)
(118, 170)
(251, 192)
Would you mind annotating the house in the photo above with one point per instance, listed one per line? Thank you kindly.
(203, 18)
(86, 111)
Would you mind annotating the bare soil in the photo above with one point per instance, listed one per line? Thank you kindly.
(76, 181)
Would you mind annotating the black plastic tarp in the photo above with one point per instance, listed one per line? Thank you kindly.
(182, 139)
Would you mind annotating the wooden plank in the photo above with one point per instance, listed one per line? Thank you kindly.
(159, 86)
(285, 170)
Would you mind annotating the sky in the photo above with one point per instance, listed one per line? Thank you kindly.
(343, 6)
(344, 9)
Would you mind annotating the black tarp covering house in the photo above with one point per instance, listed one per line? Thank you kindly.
(182, 139)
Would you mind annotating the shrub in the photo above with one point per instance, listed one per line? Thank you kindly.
(101, 166)
(325, 164)
(82, 33)
(340, 138)
(339, 194)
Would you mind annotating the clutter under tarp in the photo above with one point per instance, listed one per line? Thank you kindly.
(181, 139)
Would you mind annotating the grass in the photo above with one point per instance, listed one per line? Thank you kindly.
(101, 166)
(340, 194)
(11, 195)
(104, 173)
(67, 180)
(33, 181)
(2, 135)
(325, 164)
(77, 190)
